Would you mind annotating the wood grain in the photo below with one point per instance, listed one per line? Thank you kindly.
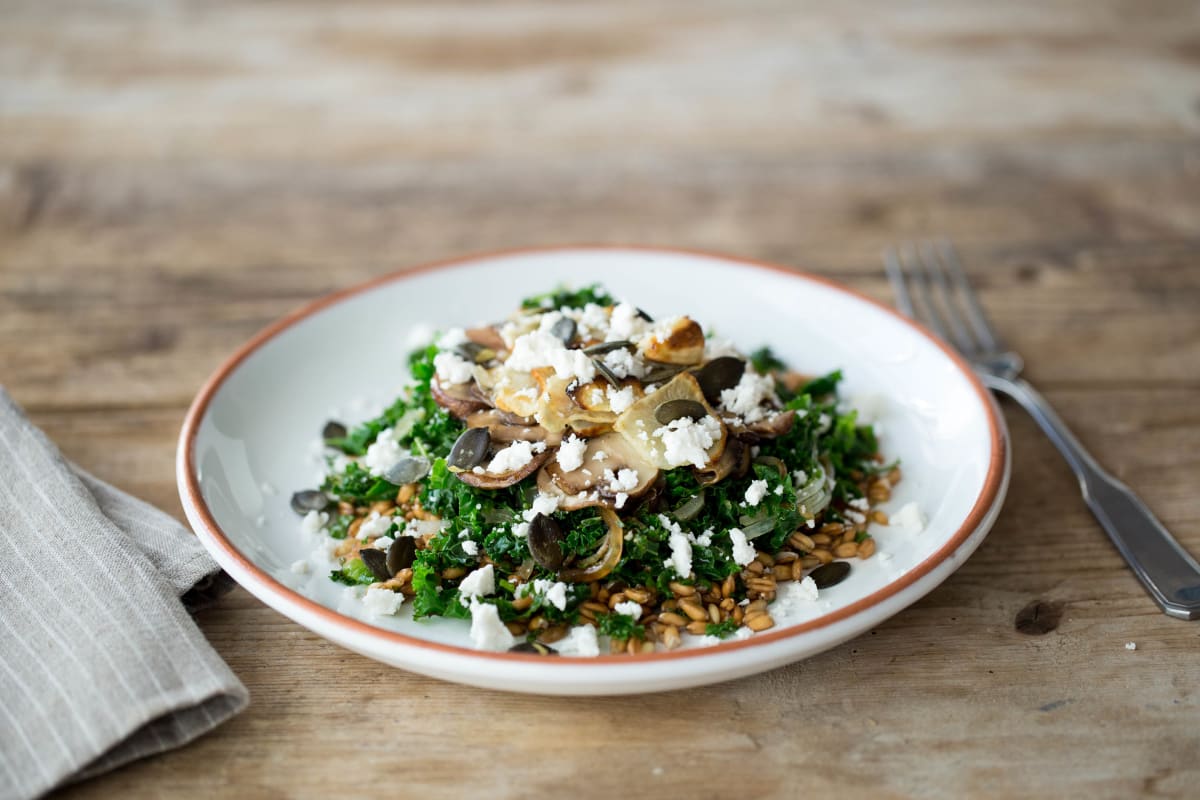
(174, 176)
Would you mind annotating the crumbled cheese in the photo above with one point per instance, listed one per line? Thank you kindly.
(314, 521)
(374, 525)
(592, 321)
(383, 543)
(779, 490)
(570, 453)
(383, 453)
(452, 338)
(420, 337)
(742, 634)
(704, 539)
(556, 595)
(855, 516)
(542, 504)
(681, 553)
(479, 583)
(580, 641)
(743, 550)
(909, 518)
(755, 493)
(619, 399)
(686, 441)
(749, 397)
(452, 368)
(470, 548)
(599, 455)
(1131, 645)
(625, 480)
(620, 500)
(512, 458)
(716, 347)
(300, 567)
(861, 503)
(624, 364)
(382, 602)
(520, 529)
(487, 631)
(543, 349)
(807, 589)
(629, 608)
(799, 477)
(625, 322)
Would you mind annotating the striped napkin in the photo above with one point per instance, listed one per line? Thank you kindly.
(100, 662)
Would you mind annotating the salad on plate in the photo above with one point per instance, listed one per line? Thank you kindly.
(585, 478)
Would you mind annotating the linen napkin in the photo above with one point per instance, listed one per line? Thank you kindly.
(100, 663)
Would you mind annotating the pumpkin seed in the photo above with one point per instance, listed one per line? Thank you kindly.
(470, 450)
(564, 330)
(475, 352)
(533, 647)
(310, 500)
(677, 409)
(830, 574)
(642, 314)
(690, 508)
(545, 542)
(334, 430)
(376, 561)
(608, 374)
(659, 371)
(407, 470)
(401, 554)
(718, 375)
(607, 347)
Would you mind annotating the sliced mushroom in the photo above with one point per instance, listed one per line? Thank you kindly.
(461, 400)
(514, 391)
(769, 428)
(682, 342)
(558, 409)
(579, 489)
(506, 428)
(490, 480)
(487, 336)
(734, 460)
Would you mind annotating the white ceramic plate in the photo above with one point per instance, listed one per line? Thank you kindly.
(247, 444)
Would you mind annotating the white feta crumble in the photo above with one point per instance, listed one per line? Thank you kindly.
(909, 519)
(512, 458)
(686, 441)
(742, 634)
(807, 589)
(383, 543)
(681, 553)
(580, 641)
(383, 453)
(382, 602)
(743, 550)
(555, 592)
(570, 453)
(419, 337)
(599, 455)
(856, 517)
(314, 521)
(624, 364)
(1131, 645)
(470, 548)
(861, 503)
(779, 490)
(543, 349)
(619, 399)
(452, 338)
(452, 368)
(755, 493)
(748, 397)
(705, 539)
(300, 567)
(478, 583)
(487, 631)
(520, 529)
(625, 322)
(593, 321)
(629, 608)
(620, 500)
(374, 525)
(625, 480)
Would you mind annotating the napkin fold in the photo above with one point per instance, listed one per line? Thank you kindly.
(100, 663)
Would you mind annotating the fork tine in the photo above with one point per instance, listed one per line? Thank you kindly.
(979, 321)
(895, 273)
(919, 277)
(948, 306)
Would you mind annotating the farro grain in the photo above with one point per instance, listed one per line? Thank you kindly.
(714, 613)
(822, 555)
(879, 517)
(802, 542)
(783, 572)
(406, 493)
(728, 586)
(682, 589)
(831, 529)
(671, 638)
(671, 618)
(821, 540)
(453, 573)
(867, 548)
(846, 550)
(698, 628)
(760, 623)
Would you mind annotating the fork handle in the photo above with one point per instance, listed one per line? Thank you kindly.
(1169, 573)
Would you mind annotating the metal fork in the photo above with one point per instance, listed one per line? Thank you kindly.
(931, 274)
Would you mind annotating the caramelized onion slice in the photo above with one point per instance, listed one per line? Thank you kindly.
(606, 557)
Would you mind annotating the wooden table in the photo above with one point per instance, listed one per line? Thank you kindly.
(173, 176)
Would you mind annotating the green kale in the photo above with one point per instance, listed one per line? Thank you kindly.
(431, 600)
(356, 485)
(823, 386)
(723, 629)
(764, 360)
(567, 298)
(353, 573)
(620, 626)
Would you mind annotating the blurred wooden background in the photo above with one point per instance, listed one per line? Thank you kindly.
(174, 175)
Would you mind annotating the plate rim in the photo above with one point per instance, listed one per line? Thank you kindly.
(214, 539)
